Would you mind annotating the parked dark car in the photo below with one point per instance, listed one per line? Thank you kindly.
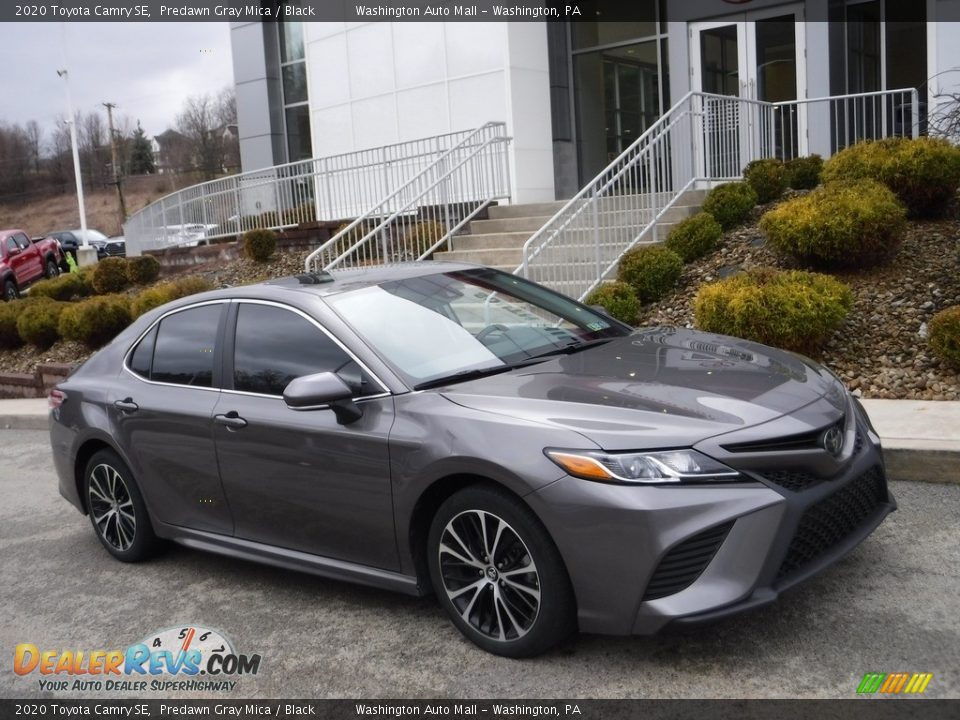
(23, 261)
(453, 429)
(114, 247)
(70, 240)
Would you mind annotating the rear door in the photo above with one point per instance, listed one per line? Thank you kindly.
(163, 412)
(298, 479)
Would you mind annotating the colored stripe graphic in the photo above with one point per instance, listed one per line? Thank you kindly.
(894, 683)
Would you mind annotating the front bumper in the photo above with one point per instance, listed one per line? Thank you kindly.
(626, 547)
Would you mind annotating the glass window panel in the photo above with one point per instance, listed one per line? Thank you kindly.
(142, 357)
(591, 34)
(299, 146)
(274, 346)
(777, 59)
(294, 83)
(720, 64)
(184, 347)
(291, 41)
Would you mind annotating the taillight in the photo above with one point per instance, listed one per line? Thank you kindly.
(56, 398)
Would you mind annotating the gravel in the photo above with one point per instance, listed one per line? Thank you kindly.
(881, 349)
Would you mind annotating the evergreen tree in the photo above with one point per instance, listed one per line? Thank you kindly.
(141, 155)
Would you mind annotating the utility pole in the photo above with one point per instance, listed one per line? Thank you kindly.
(113, 161)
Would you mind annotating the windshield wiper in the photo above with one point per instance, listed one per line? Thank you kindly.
(465, 375)
(573, 347)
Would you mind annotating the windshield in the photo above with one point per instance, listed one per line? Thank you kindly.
(440, 325)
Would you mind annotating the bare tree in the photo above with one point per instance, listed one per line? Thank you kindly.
(35, 138)
(15, 160)
(198, 123)
(61, 160)
(230, 138)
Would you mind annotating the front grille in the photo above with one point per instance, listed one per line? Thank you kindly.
(685, 562)
(792, 480)
(833, 519)
(803, 441)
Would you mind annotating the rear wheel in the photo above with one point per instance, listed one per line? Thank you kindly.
(498, 574)
(117, 511)
(10, 290)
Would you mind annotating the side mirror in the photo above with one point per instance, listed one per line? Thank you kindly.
(312, 391)
(13, 251)
(600, 309)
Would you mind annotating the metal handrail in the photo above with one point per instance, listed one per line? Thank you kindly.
(334, 187)
(437, 202)
(704, 138)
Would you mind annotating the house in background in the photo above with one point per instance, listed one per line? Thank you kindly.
(573, 95)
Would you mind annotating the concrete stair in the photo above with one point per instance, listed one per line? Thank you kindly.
(498, 241)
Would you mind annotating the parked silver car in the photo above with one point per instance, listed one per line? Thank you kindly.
(453, 429)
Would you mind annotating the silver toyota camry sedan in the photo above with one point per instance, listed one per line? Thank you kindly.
(451, 429)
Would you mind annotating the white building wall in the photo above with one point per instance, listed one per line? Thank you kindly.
(374, 84)
(943, 52)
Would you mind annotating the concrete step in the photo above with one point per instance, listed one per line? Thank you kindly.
(496, 257)
(531, 224)
(525, 210)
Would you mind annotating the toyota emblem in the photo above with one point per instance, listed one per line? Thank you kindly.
(833, 440)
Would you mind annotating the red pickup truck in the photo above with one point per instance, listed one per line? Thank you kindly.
(23, 262)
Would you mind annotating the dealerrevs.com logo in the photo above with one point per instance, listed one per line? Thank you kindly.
(176, 659)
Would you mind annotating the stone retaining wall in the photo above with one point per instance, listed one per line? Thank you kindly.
(33, 385)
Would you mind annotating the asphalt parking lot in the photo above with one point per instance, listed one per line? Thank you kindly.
(891, 606)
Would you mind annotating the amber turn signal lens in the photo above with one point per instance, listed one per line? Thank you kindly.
(580, 466)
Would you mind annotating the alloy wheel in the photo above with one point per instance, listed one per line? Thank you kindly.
(111, 507)
(489, 575)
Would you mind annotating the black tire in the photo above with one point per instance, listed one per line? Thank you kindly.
(51, 270)
(10, 290)
(520, 613)
(113, 529)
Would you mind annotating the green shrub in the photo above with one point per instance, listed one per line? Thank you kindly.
(651, 270)
(63, 287)
(923, 172)
(618, 299)
(803, 173)
(420, 238)
(838, 225)
(793, 310)
(39, 322)
(944, 335)
(95, 321)
(768, 178)
(258, 245)
(142, 269)
(694, 237)
(730, 203)
(110, 276)
(9, 335)
(163, 293)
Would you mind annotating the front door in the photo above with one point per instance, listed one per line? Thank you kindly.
(298, 479)
(757, 56)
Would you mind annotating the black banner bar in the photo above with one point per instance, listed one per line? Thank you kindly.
(419, 10)
(859, 709)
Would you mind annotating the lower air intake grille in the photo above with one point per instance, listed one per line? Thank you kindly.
(792, 481)
(685, 562)
(833, 519)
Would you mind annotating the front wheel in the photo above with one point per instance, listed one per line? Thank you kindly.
(117, 511)
(498, 574)
(51, 270)
(10, 290)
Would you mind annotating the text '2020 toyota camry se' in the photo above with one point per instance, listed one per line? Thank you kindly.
(536, 464)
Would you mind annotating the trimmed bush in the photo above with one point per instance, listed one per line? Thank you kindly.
(768, 178)
(651, 270)
(9, 313)
(730, 203)
(110, 276)
(944, 335)
(39, 322)
(923, 172)
(95, 321)
(792, 310)
(618, 299)
(65, 286)
(839, 225)
(803, 173)
(142, 269)
(694, 237)
(258, 245)
(163, 293)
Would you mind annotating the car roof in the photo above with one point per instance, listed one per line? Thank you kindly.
(338, 281)
(4, 234)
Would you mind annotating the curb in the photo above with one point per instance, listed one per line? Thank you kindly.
(24, 422)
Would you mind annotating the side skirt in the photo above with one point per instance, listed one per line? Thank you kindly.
(289, 559)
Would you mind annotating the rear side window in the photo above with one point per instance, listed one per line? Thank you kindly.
(184, 347)
(273, 346)
(142, 356)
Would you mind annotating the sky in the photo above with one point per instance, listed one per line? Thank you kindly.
(147, 69)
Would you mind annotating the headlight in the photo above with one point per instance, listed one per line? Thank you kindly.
(668, 466)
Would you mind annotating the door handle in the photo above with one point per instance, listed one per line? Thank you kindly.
(127, 405)
(232, 420)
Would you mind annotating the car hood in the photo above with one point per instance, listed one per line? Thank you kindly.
(659, 387)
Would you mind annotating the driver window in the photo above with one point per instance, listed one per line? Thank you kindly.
(273, 346)
(22, 240)
(11, 245)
